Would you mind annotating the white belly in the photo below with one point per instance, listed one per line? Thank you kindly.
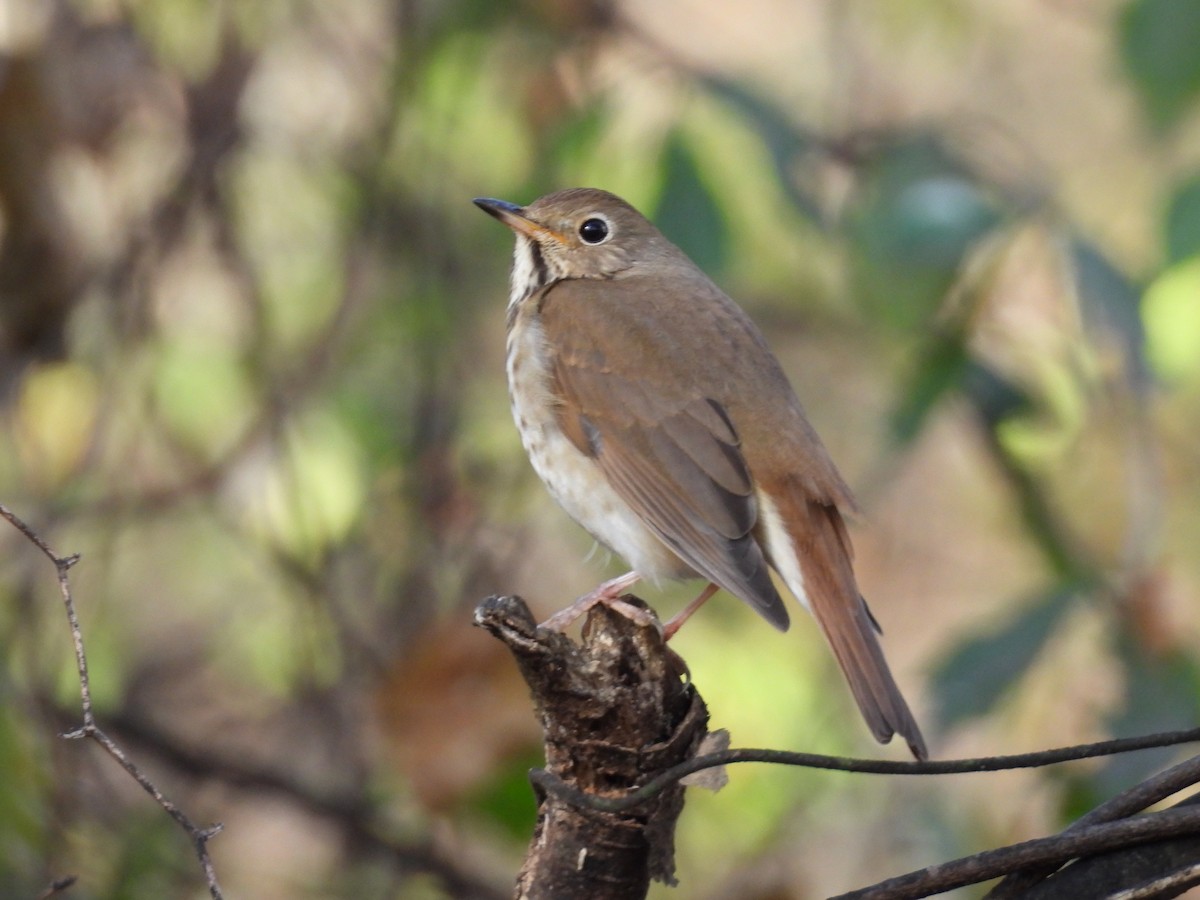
(573, 479)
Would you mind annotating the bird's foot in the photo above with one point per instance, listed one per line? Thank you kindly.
(609, 594)
(683, 615)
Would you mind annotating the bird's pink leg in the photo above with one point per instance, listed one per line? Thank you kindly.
(609, 594)
(686, 613)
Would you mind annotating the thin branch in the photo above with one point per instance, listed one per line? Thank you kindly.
(58, 885)
(199, 836)
(1134, 800)
(549, 782)
(1058, 849)
(1183, 878)
(353, 813)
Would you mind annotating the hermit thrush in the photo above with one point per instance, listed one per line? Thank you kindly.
(653, 410)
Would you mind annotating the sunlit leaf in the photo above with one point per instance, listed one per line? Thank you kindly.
(184, 32)
(56, 413)
(1159, 41)
(1171, 310)
(203, 393)
(312, 493)
(687, 211)
(974, 677)
(1054, 421)
(463, 132)
(291, 217)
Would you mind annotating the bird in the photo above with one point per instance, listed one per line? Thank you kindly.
(656, 415)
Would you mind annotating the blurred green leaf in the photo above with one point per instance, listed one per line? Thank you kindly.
(293, 217)
(972, 679)
(507, 800)
(1162, 693)
(204, 393)
(785, 140)
(56, 414)
(687, 211)
(184, 33)
(148, 862)
(1078, 793)
(1159, 43)
(441, 152)
(576, 137)
(913, 223)
(1183, 221)
(945, 365)
(941, 368)
(1111, 305)
(314, 493)
(24, 813)
(995, 398)
(1171, 312)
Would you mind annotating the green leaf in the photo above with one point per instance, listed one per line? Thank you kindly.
(1171, 313)
(1111, 305)
(147, 862)
(687, 212)
(971, 680)
(578, 134)
(204, 392)
(994, 397)
(24, 791)
(1161, 691)
(1183, 222)
(940, 369)
(914, 220)
(785, 140)
(508, 799)
(945, 365)
(1160, 45)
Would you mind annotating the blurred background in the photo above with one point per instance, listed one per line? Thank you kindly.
(251, 367)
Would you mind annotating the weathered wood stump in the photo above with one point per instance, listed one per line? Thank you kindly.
(616, 709)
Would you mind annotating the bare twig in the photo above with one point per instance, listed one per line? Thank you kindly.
(354, 814)
(1182, 879)
(554, 785)
(1094, 833)
(1057, 849)
(89, 729)
(1134, 800)
(57, 886)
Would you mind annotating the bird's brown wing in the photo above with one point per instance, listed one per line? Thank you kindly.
(668, 449)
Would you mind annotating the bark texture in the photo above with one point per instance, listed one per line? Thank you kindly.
(616, 709)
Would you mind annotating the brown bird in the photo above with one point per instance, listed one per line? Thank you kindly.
(653, 410)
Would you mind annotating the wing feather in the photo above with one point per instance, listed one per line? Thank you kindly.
(671, 453)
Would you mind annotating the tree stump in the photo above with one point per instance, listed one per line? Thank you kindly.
(616, 709)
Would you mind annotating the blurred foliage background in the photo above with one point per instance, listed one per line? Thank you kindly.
(251, 366)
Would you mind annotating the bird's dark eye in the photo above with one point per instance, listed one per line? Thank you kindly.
(593, 231)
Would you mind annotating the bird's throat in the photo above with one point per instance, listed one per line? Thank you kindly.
(529, 272)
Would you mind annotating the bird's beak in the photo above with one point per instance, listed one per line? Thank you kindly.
(514, 217)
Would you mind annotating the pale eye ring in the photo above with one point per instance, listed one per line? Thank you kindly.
(594, 230)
